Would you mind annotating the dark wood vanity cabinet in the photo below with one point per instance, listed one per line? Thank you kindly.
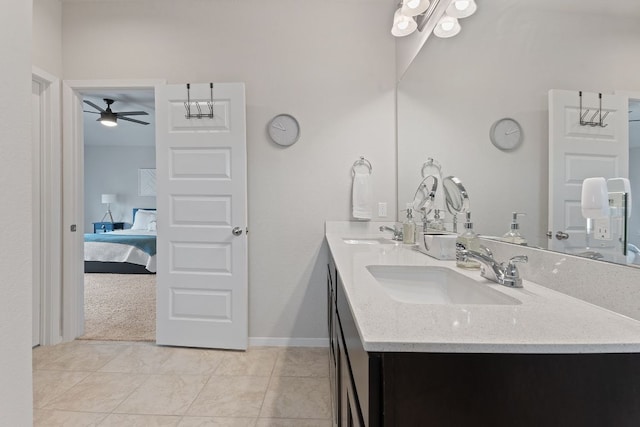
(472, 389)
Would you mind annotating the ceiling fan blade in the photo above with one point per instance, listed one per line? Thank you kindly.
(132, 113)
(94, 106)
(92, 112)
(635, 120)
(132, 120)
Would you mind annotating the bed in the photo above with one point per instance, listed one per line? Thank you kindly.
(129, 251)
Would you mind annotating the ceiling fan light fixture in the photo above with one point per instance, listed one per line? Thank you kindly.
(108, 119)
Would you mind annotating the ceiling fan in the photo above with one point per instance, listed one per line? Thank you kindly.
(110, 118)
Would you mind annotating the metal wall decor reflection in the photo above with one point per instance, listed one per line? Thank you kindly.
(200, 114)
(598, 114)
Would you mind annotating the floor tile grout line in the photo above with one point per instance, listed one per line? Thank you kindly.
(51, 399)
(186, 412)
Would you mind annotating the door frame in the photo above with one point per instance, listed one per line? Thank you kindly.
(48, 208)
(73, 194)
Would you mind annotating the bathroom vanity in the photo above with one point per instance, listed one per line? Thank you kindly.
(417, 342)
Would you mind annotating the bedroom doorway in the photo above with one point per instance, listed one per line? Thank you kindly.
(103, 176)
(202, 278)
(119, 167)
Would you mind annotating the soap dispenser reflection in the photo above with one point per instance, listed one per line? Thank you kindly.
(409, 228)
(513, 235)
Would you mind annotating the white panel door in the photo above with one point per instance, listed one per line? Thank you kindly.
(577, 152)
(202, 203)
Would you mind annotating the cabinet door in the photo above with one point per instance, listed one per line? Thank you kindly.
(350, 415)
(333, 352)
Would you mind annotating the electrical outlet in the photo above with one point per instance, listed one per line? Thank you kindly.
(602, 229)
(382, 209)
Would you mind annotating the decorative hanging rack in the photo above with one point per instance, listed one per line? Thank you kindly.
(591, 121)
(199, 114)
(362, 162)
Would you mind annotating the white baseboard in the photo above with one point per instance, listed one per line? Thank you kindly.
(288, 342)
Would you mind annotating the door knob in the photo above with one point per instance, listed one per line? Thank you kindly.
(561, 235)
(236, 231)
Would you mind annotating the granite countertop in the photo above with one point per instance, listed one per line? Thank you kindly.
(546, 321)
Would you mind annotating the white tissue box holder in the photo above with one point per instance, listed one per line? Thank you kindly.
(439, 246)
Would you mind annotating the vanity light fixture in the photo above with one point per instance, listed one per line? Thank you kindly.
(462, 8)
(416, 14)
(403, 25)
(448, 26)
(414, 7)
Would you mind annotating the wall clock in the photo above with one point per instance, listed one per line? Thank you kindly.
(506, 134)
(284, 129)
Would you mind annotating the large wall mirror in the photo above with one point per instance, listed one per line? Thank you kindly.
(505, 61)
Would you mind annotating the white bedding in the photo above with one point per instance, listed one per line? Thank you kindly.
(116, 252)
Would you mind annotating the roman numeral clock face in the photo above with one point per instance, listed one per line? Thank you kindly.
(284, 129)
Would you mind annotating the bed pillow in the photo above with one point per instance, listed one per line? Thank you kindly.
(142, 219)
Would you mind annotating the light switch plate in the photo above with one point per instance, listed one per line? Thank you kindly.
(382, 209)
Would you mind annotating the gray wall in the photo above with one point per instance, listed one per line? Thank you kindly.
(16, 216)
(115, 170)
(329, 63)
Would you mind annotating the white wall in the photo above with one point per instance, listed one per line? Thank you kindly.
(503, 63)
(47, 36)
(329, 63)
(16, 216)
(115, 170)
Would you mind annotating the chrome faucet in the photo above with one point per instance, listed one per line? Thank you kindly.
(397, 233)
(503, 273)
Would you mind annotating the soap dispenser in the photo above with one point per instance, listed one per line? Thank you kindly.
(513, 235)
(437, 224)
(467, 240)
(409, 229)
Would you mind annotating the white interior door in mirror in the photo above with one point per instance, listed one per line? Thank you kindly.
(577, 152)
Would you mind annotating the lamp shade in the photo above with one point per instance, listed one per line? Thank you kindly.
(595, 198)
(414, 7)
(403, 25)
(108, 119)
(461, 8)
(448, 26)
(108, 198)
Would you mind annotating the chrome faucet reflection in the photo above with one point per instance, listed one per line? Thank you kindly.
(503, 273)
(397, 233)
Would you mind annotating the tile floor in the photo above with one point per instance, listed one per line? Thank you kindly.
(99, 383)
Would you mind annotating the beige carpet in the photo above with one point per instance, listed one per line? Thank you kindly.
(120, 307)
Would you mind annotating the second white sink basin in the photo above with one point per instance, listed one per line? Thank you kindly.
(435, 285)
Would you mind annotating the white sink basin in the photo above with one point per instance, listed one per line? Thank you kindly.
(435, 285)
(369, 241)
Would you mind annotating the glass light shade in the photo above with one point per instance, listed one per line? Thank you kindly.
(108, 198)
(414, 7)
(462, 8)
(108, 119)
(403, 25)
(448, 26)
